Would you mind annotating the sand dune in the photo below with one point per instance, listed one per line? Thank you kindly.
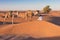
(33, 28)
(55, 13)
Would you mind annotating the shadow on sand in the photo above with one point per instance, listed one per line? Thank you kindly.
(14, 37)
(3, 23)
(55, 20)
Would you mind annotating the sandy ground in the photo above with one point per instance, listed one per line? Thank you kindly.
(55, 13)
(34, 28)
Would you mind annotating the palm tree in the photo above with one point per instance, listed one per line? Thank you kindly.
(46, 9)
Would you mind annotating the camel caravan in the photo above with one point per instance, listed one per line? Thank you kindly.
(23, 14)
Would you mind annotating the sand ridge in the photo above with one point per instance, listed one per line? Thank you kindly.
(33, 28)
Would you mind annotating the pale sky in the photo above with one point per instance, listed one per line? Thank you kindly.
(28, 4)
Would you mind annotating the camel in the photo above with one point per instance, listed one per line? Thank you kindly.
(29, 14)
(15, 13)
(6, 15)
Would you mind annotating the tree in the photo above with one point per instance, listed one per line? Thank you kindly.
(46, 9)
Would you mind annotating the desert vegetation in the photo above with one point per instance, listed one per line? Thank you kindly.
(46, 9)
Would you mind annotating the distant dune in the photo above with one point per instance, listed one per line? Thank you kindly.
(55, 13)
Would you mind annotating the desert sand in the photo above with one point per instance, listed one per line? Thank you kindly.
(55, 13)
(32, 28)
(35, 29)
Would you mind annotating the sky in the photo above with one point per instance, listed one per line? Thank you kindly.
(28, 4)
